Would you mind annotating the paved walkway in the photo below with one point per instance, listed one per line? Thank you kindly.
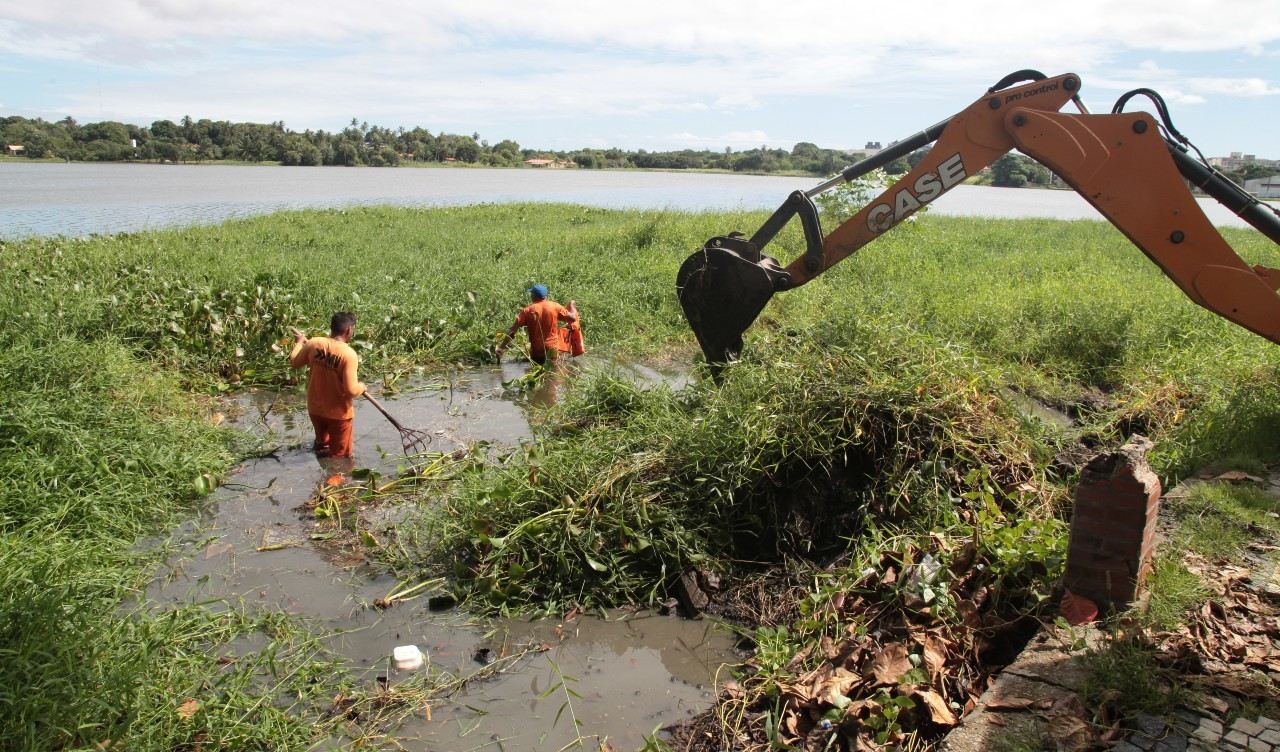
(1034, 702)
(1189, 731)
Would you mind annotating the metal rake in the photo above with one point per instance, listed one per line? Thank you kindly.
(412, 441)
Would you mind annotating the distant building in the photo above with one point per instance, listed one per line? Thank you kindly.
(1264, 187)
(872, 147)
(1238, 161)
(14, 150)
(549, 163)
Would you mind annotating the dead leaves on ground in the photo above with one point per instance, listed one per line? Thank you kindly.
(912, 672)
(860, 678)
(1237, 628)
(188, 709)
(913, 669)
(889, 664)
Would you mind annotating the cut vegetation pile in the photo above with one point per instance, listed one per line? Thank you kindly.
(859, 492)
(876, 482)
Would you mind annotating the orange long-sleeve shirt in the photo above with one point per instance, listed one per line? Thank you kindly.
(332, 384)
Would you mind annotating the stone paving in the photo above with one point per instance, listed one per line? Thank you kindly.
(1048, 674)
(1189, 732)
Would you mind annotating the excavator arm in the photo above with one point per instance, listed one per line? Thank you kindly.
(1120, 162)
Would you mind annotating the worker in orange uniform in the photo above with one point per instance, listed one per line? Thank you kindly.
(332, 384)
(541, 319)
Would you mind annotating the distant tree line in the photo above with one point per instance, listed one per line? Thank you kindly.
(362, 144)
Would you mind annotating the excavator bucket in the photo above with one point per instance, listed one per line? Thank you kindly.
(722, 289)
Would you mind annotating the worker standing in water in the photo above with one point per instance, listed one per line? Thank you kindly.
(332, 385)
(541, 319)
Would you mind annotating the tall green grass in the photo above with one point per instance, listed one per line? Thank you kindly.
(95, 450)
(872, 389)
(1064, 308)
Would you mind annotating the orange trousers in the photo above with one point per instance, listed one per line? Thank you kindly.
(333, 436)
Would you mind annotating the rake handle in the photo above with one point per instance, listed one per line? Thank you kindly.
(384, 412)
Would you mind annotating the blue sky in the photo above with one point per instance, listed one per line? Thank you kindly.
(565, 74)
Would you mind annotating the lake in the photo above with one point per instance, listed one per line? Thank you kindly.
(44, 199)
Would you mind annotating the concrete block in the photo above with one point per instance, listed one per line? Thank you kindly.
(1210, 726)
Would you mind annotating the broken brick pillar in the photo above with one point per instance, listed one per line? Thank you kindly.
(1113, 526)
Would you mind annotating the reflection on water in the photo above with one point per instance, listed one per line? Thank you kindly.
(544, 390)
(633, 672)
(80, 199)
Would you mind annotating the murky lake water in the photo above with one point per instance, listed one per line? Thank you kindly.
(634, 672)
(42, 199)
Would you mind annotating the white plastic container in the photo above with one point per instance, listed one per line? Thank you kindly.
(407, 658)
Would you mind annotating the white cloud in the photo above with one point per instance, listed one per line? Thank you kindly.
(474, 64)
(715, 29)
(1236, 87)
(748, 139)
(30, 42)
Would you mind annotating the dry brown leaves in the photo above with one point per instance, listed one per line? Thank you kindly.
(889, 664)
(859, 676)
(1067, 720)
(913, 667)
(1236, 628)
(939, 712)
(188, 709)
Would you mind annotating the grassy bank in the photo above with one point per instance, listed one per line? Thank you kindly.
(865, 430)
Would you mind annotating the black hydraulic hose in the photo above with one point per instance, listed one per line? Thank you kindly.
(881, 158)
(1161, 108)
(923, 138)
(1017, 77)
(1263, 217)
(1243, 204)
(896, 151)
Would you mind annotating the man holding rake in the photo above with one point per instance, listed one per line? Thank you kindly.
(332, 385)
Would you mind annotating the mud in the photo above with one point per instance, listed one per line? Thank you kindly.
(632, 672)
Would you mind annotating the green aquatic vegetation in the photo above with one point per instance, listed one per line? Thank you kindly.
(864, 421)
(428, 285)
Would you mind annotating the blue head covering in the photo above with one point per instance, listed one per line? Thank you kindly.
(539, 291)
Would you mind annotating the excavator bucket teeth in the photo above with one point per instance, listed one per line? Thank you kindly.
(722, 289)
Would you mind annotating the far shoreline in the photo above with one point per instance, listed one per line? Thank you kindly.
(4, 159)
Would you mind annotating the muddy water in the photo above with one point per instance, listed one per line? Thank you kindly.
(633, 672)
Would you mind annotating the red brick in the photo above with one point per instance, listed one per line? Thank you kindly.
(1113, 526)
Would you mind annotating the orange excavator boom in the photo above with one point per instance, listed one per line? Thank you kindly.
(1130, 167)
